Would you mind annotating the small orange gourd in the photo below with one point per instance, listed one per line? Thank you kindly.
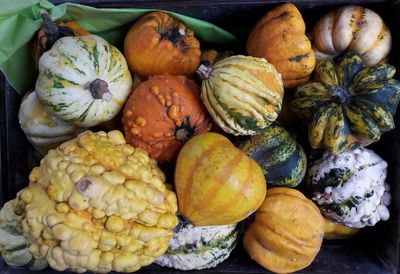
(162, 113)
(158, 44)
(280, 38)
(286, 233)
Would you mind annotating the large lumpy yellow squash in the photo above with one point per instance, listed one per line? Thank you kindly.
(98, 204)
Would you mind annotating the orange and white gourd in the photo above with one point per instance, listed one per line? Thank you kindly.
(352, 28)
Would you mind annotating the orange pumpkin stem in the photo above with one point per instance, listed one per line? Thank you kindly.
(175, 35)
(99, 90)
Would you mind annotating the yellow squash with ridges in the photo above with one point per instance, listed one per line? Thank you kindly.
(216, 183)
(243, 94)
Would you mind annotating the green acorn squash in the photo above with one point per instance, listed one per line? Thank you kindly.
(243, 94)
(282, 159)
(348, 105)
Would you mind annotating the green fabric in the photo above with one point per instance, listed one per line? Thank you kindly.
(19, 20)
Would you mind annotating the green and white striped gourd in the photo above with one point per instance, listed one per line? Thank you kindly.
(281, 158)
(83, 80)
(13, 246)
(350, 188)
(243, 94)
(43, 129)
(199, 247)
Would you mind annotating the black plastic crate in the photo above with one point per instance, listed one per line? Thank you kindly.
(373, 250)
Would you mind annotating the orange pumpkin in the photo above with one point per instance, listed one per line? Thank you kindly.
(280, 38)
(286, 233)
(216, 183)
(162, 113)
(50, 32)
(158, 44)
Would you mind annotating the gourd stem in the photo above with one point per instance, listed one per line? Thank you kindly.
(175, 35)
(182, 134)
(82, 185)
(204, 71)
(341, 95)
(99, 90)
(48, 24)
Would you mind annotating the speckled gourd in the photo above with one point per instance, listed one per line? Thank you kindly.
(350, 188)
(281, 158)
(199, 247)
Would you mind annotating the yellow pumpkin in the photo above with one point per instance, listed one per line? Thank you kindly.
(334, 231)
(286, 233)
(216, 183)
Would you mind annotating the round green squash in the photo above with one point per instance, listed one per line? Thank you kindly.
(347, 105)
(243, 94)
(281, 158)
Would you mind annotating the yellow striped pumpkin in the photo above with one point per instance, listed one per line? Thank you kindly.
(352, 28)
(243, 94)
(216, 183)
(83, 80)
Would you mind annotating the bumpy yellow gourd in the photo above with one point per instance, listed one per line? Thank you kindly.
(99, 204)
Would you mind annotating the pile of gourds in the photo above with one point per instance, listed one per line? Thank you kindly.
(99, 202)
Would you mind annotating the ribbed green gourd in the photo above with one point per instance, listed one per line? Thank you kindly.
(243, 94)
(347, 104)
(281, 158)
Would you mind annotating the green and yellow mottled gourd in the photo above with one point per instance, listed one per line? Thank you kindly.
(83, 80)
(281, 158)
(243, 94)
(348, 105)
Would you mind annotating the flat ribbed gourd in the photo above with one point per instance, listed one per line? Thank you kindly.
(243, 94)
(347, 105)
(97, 204)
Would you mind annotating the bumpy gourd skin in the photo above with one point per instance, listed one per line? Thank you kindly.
(98, 204)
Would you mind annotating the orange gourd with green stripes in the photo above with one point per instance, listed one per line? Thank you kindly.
(216, 183)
